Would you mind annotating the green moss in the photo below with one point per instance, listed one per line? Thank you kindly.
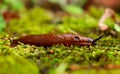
(33, 21)
(50, 59)
(100, 55)
(16, 65)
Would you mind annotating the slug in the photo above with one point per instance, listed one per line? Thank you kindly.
(48, 40)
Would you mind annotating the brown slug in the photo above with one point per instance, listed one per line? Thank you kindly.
(48, 40)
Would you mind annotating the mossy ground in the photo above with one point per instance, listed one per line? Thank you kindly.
(58, 59)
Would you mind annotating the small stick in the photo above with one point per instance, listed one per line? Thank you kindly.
(108, 13)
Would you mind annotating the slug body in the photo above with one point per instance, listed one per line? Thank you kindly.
(48, 40)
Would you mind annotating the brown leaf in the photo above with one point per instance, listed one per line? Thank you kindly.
(9, 15)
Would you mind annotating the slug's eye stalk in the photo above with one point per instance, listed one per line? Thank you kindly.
(97, 39)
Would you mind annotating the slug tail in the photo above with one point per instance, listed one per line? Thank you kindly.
(13, 43)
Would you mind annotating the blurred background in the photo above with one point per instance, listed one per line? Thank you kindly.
(51, 12)
(84, 17)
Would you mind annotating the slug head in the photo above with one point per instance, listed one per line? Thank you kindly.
(84, 41)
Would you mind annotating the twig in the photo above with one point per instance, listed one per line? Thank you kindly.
(108, 13)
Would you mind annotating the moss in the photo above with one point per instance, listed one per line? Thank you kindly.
(100, 55)
(33, 21)
(16, 65)
(49, 60)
